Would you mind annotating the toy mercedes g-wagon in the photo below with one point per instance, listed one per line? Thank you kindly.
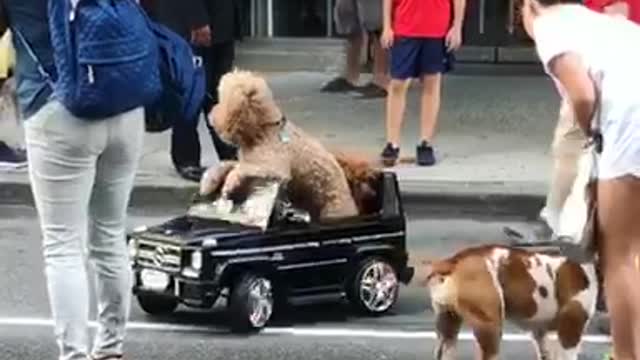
(260, 252)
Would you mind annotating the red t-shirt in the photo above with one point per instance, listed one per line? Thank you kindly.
(599, 5)
(421, 18)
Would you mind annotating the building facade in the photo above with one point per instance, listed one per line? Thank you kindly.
(492, 33)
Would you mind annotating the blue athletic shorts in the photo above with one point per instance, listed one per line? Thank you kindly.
(415, 57)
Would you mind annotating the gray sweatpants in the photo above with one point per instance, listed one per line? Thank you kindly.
(82, 173)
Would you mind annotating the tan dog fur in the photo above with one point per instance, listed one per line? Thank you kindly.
(486, 285)
(271, 147)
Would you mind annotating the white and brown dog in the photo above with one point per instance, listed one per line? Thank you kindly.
(484, 286)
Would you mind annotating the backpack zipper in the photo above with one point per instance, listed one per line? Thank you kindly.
(74, 7)
(90, 74)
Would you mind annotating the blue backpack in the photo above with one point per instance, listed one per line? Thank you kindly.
(106, 56)
(184, 82)
(161, 73)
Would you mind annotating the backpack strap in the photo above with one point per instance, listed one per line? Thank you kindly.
(33, 56)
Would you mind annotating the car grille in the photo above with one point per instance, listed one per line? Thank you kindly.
(158, 254)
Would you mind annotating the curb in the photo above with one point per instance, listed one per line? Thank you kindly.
(431, 199)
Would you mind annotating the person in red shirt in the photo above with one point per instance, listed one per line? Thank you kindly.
(627, 8)
(422, 36)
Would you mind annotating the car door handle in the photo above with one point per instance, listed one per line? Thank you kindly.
(511, 17)
(481, 16)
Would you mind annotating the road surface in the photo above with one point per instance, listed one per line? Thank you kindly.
(312, 332)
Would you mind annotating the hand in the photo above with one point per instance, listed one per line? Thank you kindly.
(386, 39)
(201, 36)
(453, 39)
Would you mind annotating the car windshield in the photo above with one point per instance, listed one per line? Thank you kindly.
(254, 210)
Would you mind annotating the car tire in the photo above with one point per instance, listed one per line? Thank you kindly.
(251, 303)
(157, 305)
(374, 288)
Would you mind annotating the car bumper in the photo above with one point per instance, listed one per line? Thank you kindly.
(191, 292)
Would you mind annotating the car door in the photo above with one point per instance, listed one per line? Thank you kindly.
(317, 261)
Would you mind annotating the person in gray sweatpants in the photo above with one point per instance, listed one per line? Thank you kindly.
(81, 174)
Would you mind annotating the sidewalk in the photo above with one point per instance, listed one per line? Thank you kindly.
(492, 142)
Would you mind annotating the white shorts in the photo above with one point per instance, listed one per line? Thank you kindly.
(621, 143)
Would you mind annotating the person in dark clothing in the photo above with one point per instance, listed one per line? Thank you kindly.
(212, 26)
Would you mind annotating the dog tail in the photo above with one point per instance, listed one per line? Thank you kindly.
(435, 269)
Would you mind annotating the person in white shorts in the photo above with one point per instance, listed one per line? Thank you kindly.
(567, 148)
(593, 60)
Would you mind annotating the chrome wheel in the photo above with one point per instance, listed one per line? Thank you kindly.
(261, 302)
(378, 287)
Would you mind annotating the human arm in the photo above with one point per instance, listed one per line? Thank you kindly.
(387, 30)
(578, 87)
(617, 8)
(454, 36)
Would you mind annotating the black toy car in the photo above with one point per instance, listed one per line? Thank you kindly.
(260, 252)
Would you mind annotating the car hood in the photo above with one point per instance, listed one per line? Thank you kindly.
(191, 230)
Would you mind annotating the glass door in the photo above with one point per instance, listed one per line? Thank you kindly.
(301, 18)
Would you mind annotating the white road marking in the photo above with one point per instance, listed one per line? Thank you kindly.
(294, 331)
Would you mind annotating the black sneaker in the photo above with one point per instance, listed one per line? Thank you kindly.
(424, 154)
(371, 91)
(390, 155)
(11, 159)
(338, 84)
(191, 173)
(540, 232)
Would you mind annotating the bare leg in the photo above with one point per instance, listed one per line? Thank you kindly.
(430, 105)
(618, 207)
(353, 51)
(380, 64)
(396, 103)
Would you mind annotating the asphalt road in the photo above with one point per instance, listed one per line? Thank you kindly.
(314, 332)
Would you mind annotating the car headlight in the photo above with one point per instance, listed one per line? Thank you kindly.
(133, 248)
(196, 260)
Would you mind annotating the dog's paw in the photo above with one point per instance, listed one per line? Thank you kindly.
(232, 182)
(214, 177)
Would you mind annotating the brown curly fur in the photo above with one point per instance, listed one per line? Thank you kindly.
(248, 117)
(363, 178)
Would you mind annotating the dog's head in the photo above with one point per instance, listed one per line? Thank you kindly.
(246, 113)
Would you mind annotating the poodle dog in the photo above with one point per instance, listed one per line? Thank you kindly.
(270, 147)
(363, 179)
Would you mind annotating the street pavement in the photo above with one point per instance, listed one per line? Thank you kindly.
(323, 331)
(493, 136)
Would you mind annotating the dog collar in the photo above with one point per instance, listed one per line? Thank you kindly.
(284, 134)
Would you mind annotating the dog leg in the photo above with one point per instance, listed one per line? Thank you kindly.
(244, 171)
(214, 177)
(447, 327)
(488, 336)
(542, 345)
(572, 321)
